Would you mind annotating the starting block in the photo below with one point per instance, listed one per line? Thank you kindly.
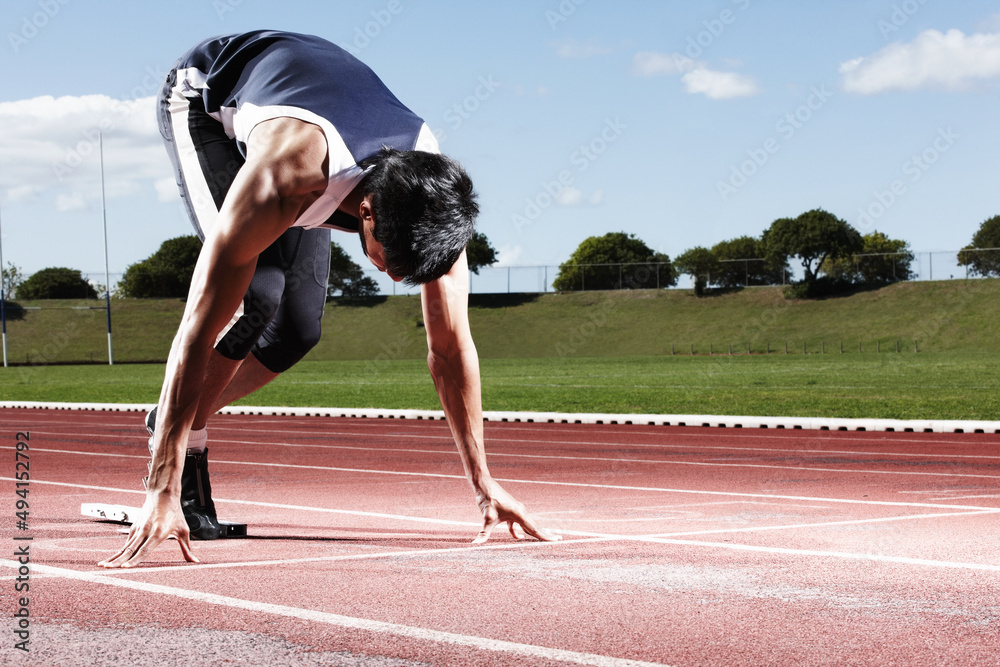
(125, 515)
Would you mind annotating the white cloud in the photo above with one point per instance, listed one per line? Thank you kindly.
(571, 196)
(507, 255)
(72, 202)
(933, 60)
(22, 193)
(651, 63)
(166, 190)
(696, 75)
(718, 85)
(990, 24)
(537, 91)
(572, 49)
(50, 148)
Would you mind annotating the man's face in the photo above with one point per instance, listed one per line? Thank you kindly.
(369, 245)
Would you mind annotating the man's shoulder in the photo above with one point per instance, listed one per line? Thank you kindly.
(298, 147)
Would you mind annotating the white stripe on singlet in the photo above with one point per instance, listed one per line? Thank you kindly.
(200, 201)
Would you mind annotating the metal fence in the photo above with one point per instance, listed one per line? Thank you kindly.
(924, 266)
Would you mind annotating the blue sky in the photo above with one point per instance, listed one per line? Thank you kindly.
(685, 123)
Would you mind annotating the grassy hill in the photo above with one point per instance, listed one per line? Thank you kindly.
(941, 316)
(590, 352)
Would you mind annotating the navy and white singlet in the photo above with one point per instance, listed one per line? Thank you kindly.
(248, 78)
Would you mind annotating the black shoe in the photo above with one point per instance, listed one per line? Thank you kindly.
(196, 498)
(151, 420)
(196, 490)
(151, 426)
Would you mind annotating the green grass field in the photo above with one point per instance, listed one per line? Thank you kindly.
(626, 352)
(931, 385)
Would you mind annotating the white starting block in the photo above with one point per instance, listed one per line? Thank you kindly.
(125, 515)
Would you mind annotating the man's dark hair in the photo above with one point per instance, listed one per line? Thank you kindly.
(425, 211)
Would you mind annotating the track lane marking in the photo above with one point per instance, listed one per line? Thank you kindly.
(901, 560)
(367, 625)
(352, 557)
(653, 538)
(949, 475)
(634, 423)
(616, 487)
(739, 494)
(446, 438)
(825, 524)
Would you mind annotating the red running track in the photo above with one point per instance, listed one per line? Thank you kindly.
(682, 546)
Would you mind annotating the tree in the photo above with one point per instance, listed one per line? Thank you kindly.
(164, 274)
(701, 264)
(480, 253)
(882, 260)
(981, 257)
(813, 237)
(12, 279)
(743, 262)
(614, 261)
(56, 283)
(346, 277)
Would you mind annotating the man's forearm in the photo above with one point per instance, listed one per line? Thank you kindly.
(177, 407)
(456, 378)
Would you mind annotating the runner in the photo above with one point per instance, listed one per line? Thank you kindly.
(276, 137)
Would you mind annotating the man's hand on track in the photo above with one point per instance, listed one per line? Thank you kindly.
(160, 519)
(501, 507)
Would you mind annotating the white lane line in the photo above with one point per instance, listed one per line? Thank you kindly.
(585, 537)
(656, 539)
(825, 524)
(547, 457)
(639, 538)
(74, 485)
(366, 625)
(768, 434)
(614, 487)
(640, 461)
(737, 494)
(747, 433)
(843, 427)
(445, 437)
(902, 560)
(468, 548)
(699, 447)
(721, 421)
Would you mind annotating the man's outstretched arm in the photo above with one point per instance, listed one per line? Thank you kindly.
(454, 365)
(284, 164)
